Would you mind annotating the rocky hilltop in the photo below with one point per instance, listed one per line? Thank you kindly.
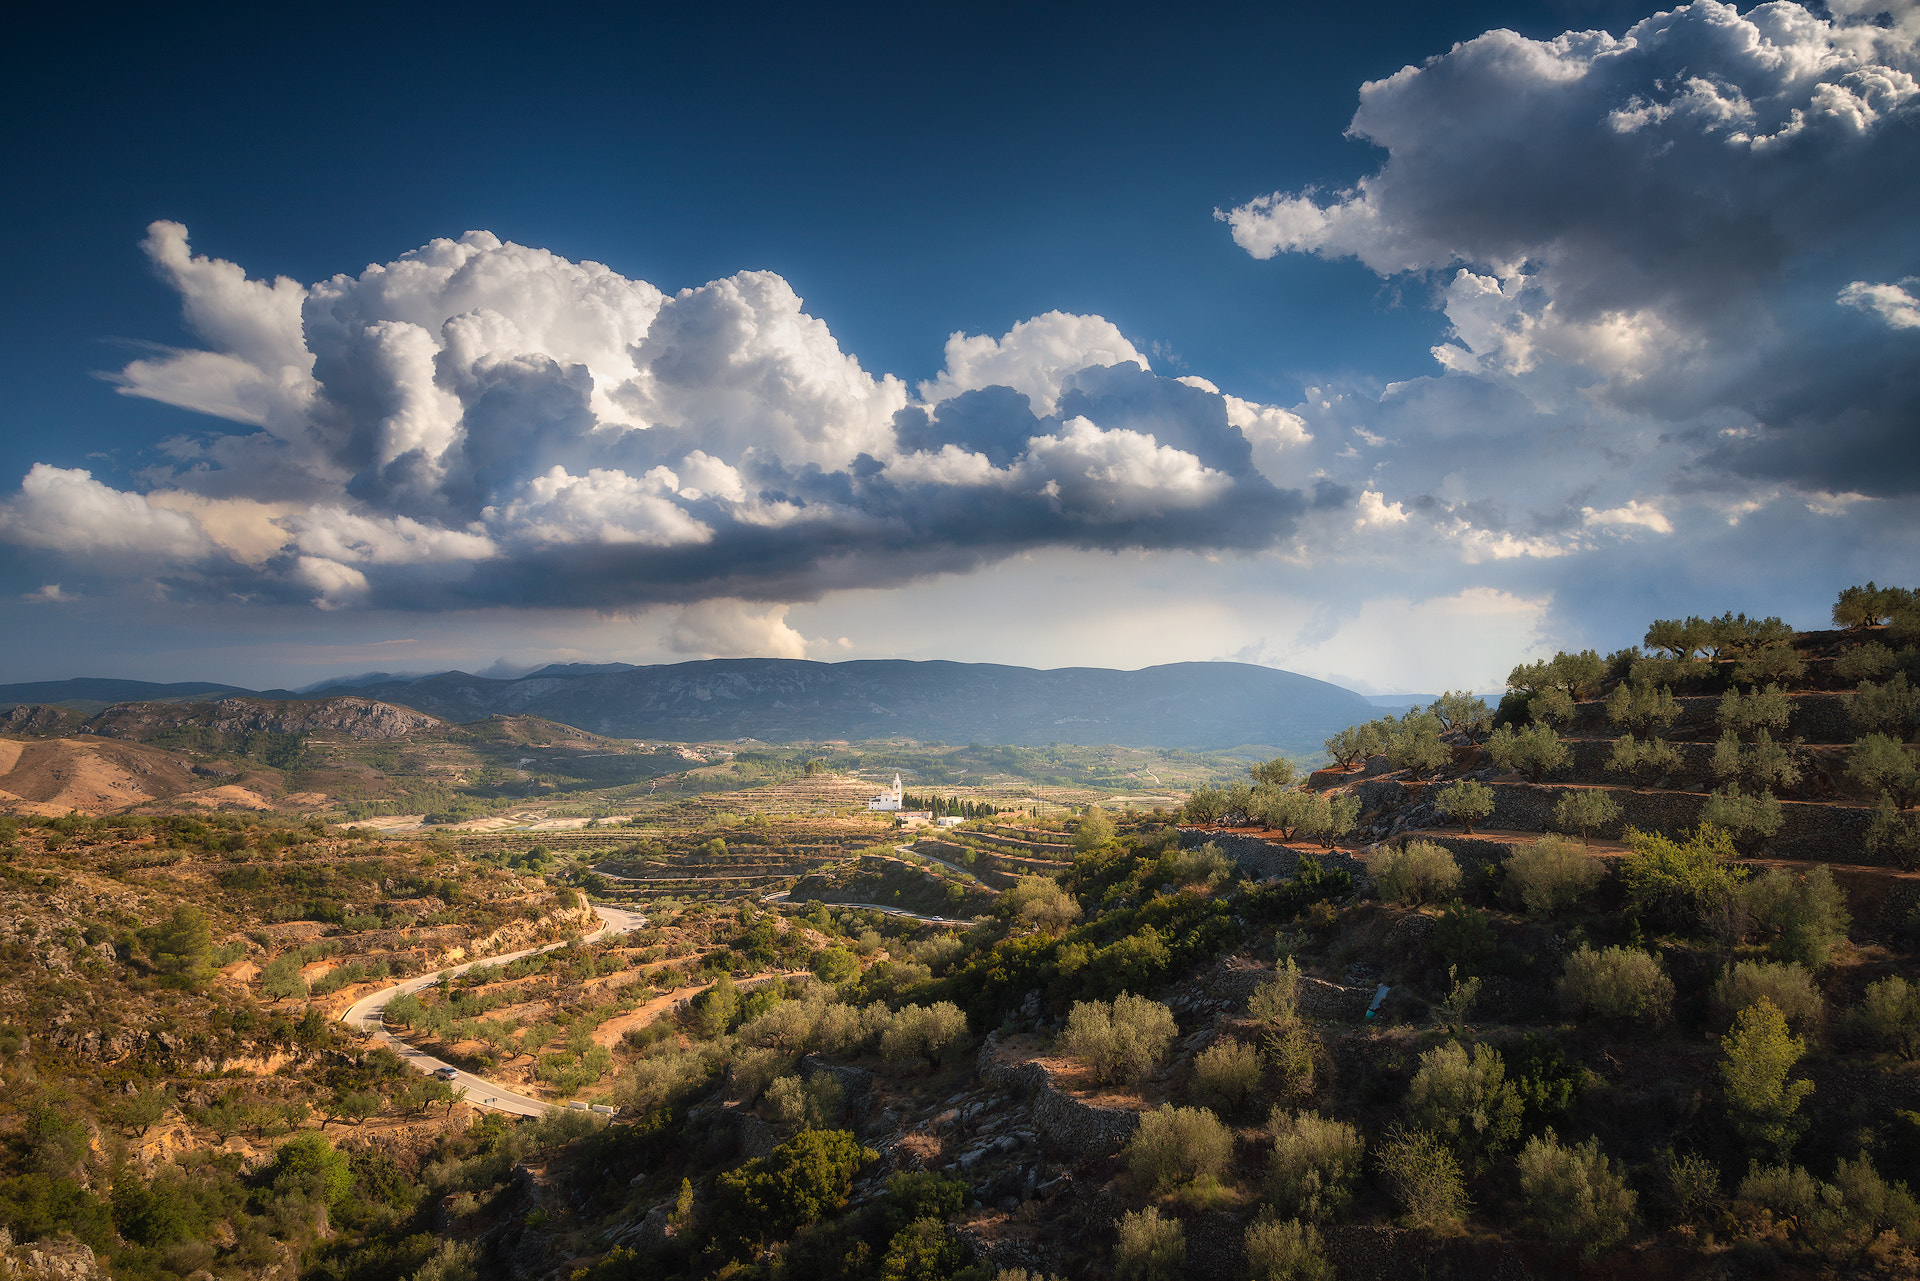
(362, 718)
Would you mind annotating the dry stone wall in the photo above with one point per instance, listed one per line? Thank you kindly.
(1260, 859)
(1068, 1126)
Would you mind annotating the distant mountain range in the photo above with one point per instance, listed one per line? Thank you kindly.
(1192, 705)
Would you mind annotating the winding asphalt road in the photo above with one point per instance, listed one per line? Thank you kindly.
(364, 1016)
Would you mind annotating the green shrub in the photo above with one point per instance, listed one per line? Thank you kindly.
(1315, 1163)
(1226, 1074)
(1175, 1146)
(1414, 872)
(1421, 1173)
(1550, 875)
(1789, 986)
(1147, 1247)
(1464, 937)
(1125, 1040)
(1618, 983)
(1586, 811)
(1464, 1097)
(1285, 1251)
(1575, 1196)
(1803, 917)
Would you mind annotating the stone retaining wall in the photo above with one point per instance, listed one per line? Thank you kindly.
(1067, 1126)
(1815, 832)
(1260, 859)
(1817, 718)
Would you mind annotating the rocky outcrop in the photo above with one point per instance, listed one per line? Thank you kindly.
(52, 1259)
(361, 718)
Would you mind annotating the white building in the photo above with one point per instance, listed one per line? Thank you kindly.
(889, 800)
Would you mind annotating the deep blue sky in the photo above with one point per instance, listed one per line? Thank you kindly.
(1679, 372)
(910, 172)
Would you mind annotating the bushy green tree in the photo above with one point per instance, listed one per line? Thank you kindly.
(1459, 711)
(1413, 872)
(1277, 772)
(1744, 715)
(1869, 661)
(1093, 830)
(1316, 1162)
(1464, 1097)
(1763, 763)
(1575, 1196)
(1175, 1146)
(1888, 1015)
(1038, 903)
(1226, 1074)
(808, 1176)
(930, 1034)
(1585, 810)
(281, 978)
(1534, 750)
(1757, 1057)
(310, 1165)
(1622, 984)
(1879, 763)
(1122, 1040)
(1421, 1173)
(1789, 986)
(1642, 706)
(1465, 802)
(1147, 1247)
(1576, 674)
(1415, 745)
(182, 948)
(1803, 917)
(1642, 759)
(1353, 744)
(1550, 875)
(713, 1011)
(1205, 806)
(1869, 606)
(1285, 1251)
(1892, 707)
(1894, 834)
(1672, 882)
(1746, 816)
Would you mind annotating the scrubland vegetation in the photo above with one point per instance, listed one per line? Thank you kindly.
(1618, 974)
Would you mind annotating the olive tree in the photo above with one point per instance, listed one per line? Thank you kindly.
(1464, 802)
(1533, 750)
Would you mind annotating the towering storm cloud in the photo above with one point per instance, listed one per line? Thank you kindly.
(1704, 226)
(478, 422)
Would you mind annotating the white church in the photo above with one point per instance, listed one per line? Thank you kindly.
(889, 800)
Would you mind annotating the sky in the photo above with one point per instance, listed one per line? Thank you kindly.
(1389, 344)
